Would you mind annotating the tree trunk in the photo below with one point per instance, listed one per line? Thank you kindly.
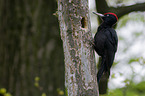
(30, 46)
(80, 67)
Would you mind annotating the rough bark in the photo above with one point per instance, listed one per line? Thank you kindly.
(80, 67)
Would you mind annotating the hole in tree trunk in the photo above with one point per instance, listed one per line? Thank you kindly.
(84, 22)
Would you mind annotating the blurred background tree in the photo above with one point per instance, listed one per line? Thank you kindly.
(30, 48)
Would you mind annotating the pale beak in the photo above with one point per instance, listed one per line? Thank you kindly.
(99, 14)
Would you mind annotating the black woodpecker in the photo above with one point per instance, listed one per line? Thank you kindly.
(105, 42)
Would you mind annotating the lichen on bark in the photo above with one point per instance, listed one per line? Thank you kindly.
(80, 67)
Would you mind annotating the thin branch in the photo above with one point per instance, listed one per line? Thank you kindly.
(103, 7)
(123, 10)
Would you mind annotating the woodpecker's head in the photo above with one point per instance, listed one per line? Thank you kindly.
(109, 18)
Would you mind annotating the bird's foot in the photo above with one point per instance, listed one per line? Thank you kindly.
(91, 41)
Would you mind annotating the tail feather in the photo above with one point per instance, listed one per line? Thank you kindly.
(101, 69)
(104, 72)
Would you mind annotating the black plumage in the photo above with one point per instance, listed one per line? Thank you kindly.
(105, 43)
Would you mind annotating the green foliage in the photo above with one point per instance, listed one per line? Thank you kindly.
(140, 60)
(7, 94)
(137, 34)
(36, 83)
(129, 90)
(133, 60)
(4, 92)
(140, 87)
(127, 81)
(116, 92)
(43, 94)
(132, 16)
(60, 92)
(113, 76)
(115, 63)
(37, 78)
(66, 91)
(137, 17)
(123, 21)
(121, 38)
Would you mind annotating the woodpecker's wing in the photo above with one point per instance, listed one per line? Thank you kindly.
(99, 40)
(110, 47)
(112, 38)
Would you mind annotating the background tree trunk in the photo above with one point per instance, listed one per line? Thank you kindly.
(80, 68)
(30, 46)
